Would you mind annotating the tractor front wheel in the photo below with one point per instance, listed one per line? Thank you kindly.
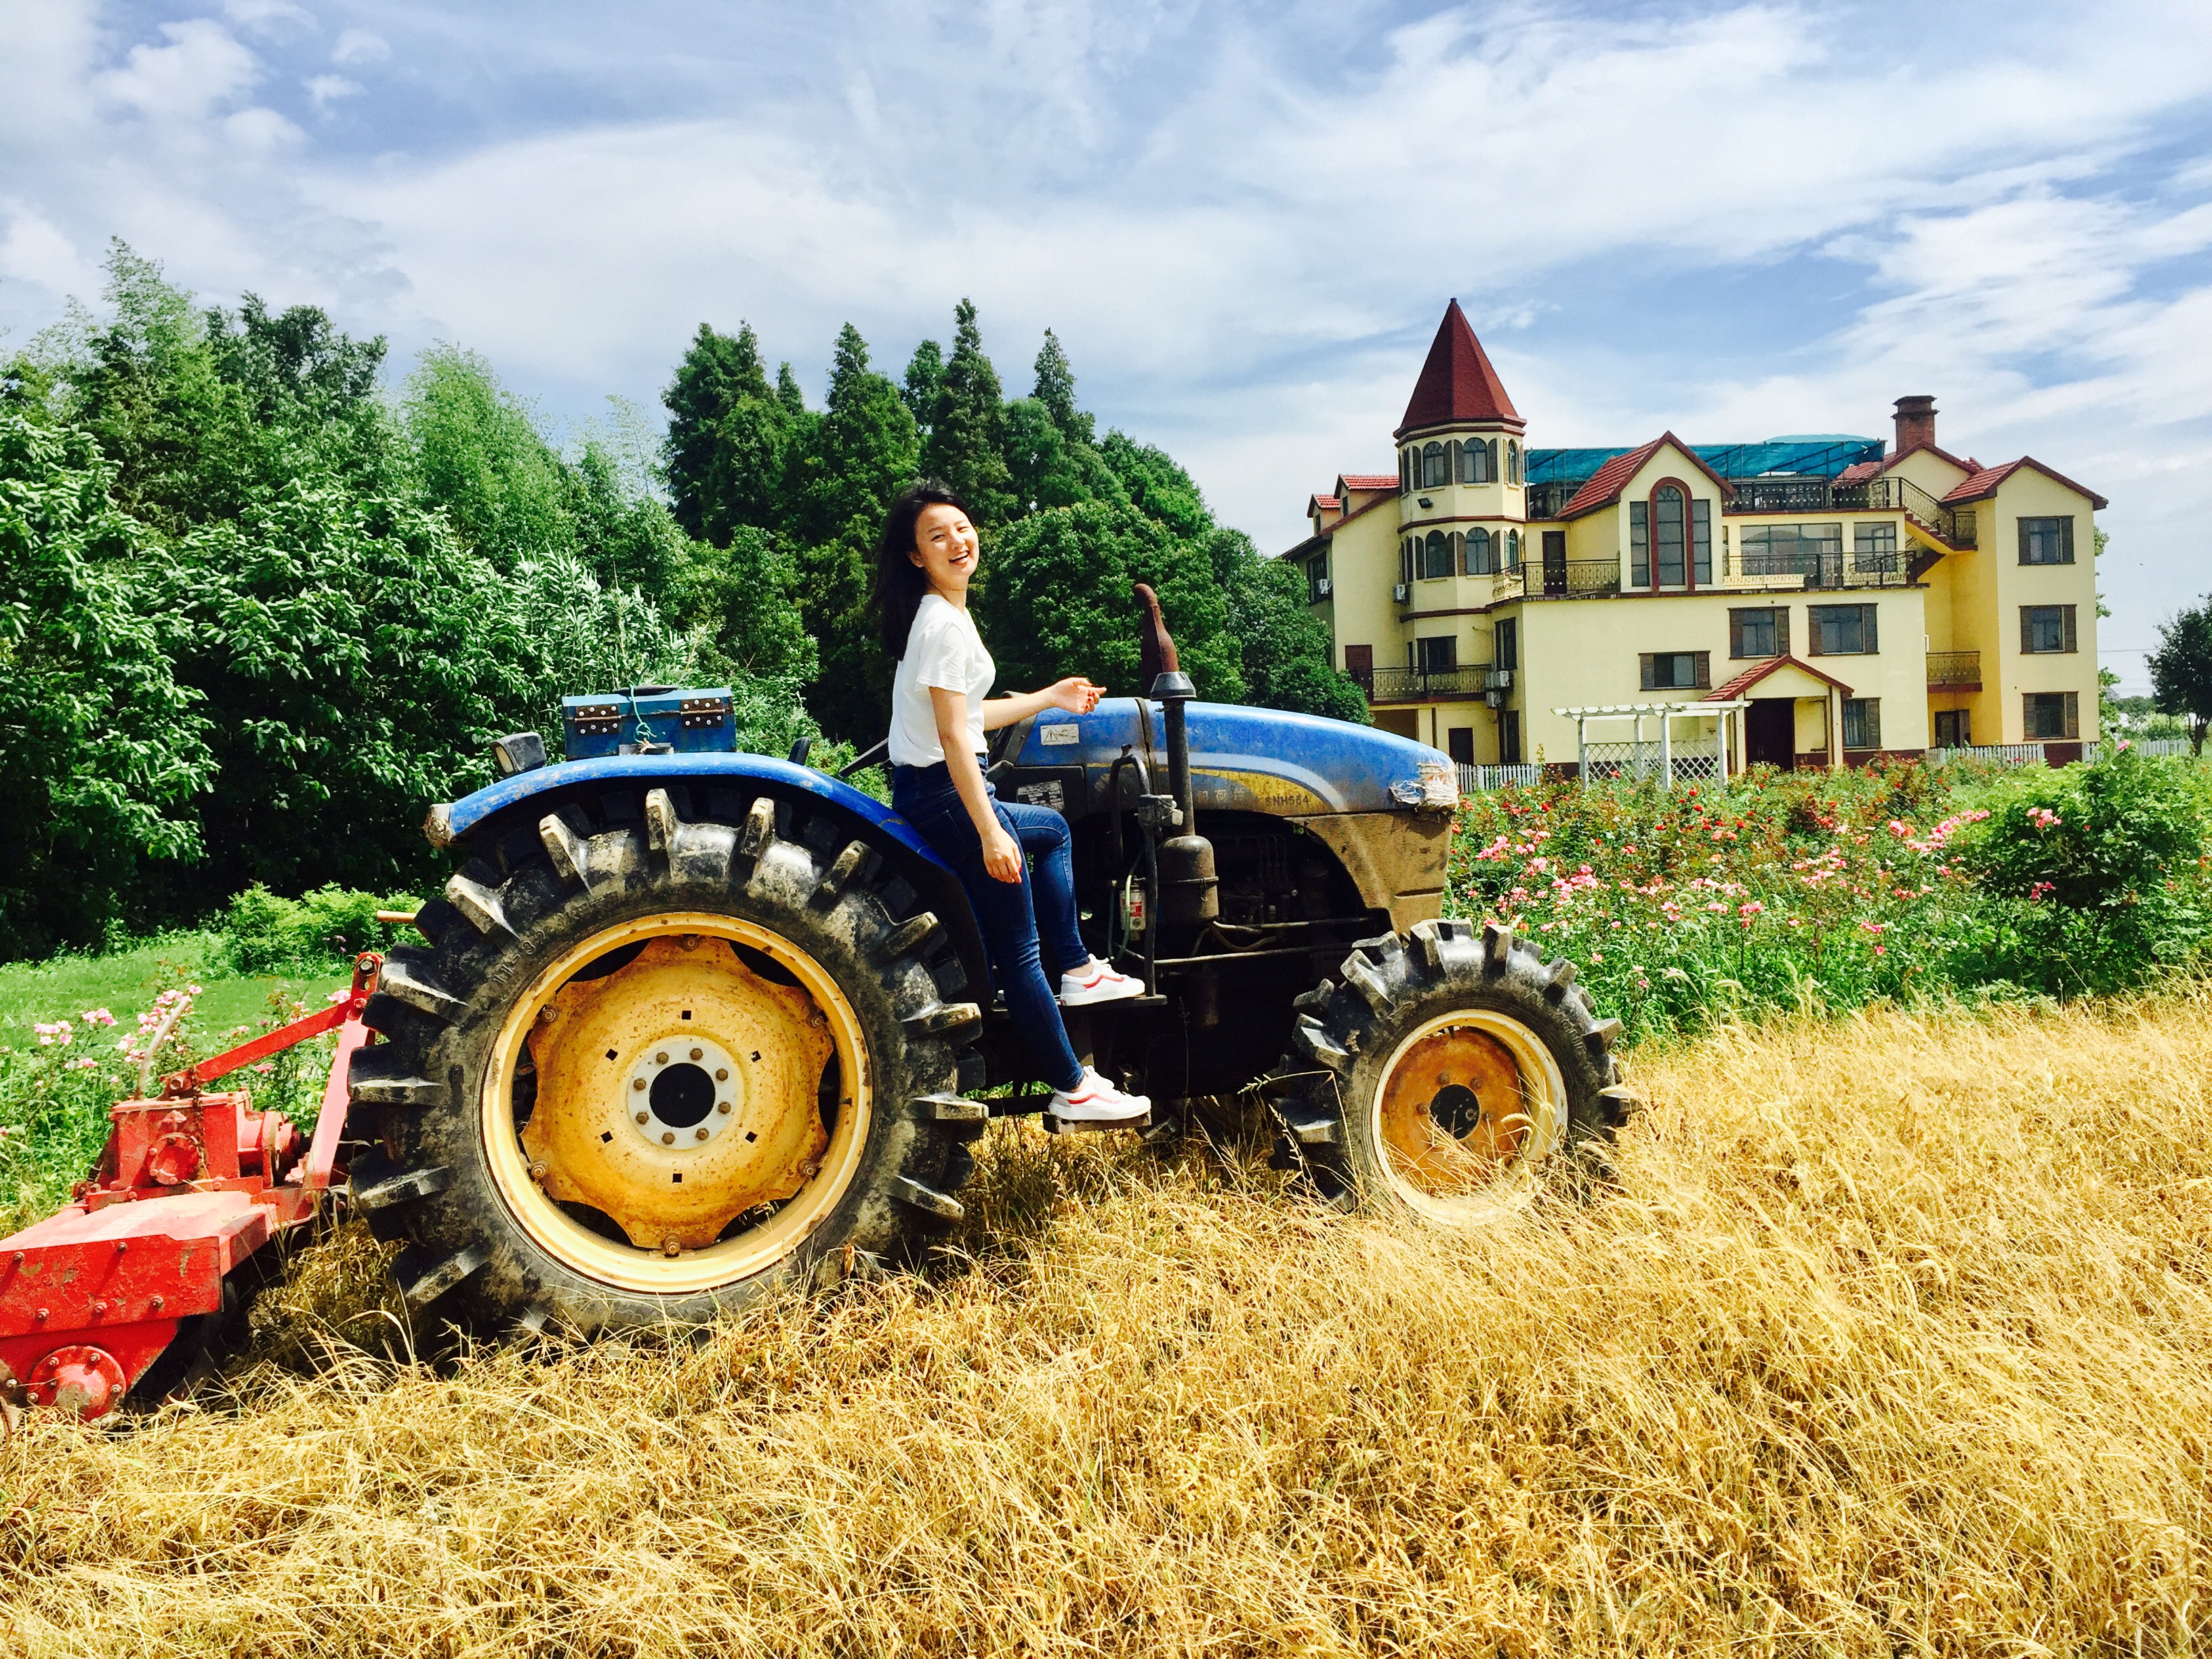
(1443, 1071)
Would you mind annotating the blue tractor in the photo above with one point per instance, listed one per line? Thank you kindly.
(692, 1022)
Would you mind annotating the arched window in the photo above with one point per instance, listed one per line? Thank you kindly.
(1475, 462)
(1437, 559)
(1512, 462)
(1666, 537)
(1512, 549)
(1478, 547)
(1432, 466)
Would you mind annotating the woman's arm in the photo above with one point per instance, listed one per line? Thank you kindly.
(1002, 855)
(1074, 694)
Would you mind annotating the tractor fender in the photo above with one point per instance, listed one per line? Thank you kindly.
(482, 820)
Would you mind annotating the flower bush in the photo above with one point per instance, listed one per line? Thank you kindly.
(1826, 890)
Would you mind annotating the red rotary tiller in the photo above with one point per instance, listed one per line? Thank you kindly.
(191, 1185)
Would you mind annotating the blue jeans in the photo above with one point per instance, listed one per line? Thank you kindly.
(1009, 913)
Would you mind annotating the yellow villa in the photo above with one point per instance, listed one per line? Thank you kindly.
(1833, 598)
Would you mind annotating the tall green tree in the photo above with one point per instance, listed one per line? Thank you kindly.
(924, 382)
(1283, 647)
(717, 373)
(1056, 389)
(966, 439)
(2181, 670)
(479, 456)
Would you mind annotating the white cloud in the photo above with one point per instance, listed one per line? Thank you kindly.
(359, 47)
(202, 67)
(327, 89)
(37, 251)
(261, 14)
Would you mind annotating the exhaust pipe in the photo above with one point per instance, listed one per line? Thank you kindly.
(1190, 891)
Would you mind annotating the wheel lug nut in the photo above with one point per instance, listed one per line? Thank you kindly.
(642, 1117)
(661, 1059)
(698, 1053)
(671, 1246)
(703, 1132)
(668, 1137)
(637, 1083)
(722, 1106)
(722, 1074)
(537, 1171)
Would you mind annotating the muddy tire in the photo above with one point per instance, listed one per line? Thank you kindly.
(1443, 1069)
(653, 1064)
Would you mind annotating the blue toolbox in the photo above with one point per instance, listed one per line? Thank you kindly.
(648, 720)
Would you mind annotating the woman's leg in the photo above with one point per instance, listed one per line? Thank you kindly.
(1003, 911)
(1044, 837)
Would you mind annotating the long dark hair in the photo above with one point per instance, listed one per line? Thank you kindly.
(900, 582)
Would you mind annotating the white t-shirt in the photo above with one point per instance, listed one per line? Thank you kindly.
(943, 650)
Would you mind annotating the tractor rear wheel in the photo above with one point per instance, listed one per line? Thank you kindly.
(1443, 1071)
(651, 1066)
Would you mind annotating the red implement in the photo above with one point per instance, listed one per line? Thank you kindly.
(191, 1185)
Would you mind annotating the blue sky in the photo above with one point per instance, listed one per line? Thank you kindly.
(1243, 221)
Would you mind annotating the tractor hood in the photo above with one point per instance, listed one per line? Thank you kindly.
(1247, 759)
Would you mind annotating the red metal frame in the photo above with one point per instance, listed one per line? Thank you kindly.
(190, 1186)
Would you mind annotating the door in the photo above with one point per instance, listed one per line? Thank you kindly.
(1953, 728)
(1555, 561)
(1770, 732)
(1359, 665)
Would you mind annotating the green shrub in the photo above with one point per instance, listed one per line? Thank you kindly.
(263, 932)
(2095, 874)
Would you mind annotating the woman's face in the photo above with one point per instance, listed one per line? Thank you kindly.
(944, 547)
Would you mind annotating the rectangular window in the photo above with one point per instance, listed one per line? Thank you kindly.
(1434, 656)
(1761, 633)
(1861, 722)
(1676, 670)
(2048, 715)
(1701, 541)
(1873, 549)
(1814, 551)
(1316, 577)
(1459, 744)
(2046, 540)
(1843, 630)
(1506, 644)
(1509, 737)
(1639, 543)
(2046, 628)
(1954, 728)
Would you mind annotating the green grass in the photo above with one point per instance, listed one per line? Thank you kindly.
(33, 992)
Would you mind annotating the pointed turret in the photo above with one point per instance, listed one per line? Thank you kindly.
(1458, 386)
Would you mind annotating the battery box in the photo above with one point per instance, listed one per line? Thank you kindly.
(653, 720)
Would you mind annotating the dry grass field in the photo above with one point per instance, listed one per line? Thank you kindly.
(1893, 1336)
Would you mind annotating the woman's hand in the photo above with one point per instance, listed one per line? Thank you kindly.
(1075, 694)
(1002, 854)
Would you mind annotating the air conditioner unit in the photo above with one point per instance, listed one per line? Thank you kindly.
(1320, 587)
(1497, 679)
(1493, 700)
(1402, 591)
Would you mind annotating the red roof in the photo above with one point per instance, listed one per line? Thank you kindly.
(1983, 484)
(1759, 670)
(1457, 383)
(1895, 456)
(1368, 480)
(1322, 504)
(1858, 474)
(1603, 486)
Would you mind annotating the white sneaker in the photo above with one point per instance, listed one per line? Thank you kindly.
(1094, 1104)
(1096, 982)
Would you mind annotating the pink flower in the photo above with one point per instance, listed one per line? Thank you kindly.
(2038, 890)
(1881, 949)
(98, 1016)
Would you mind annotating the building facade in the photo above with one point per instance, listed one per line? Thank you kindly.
(1848, 599)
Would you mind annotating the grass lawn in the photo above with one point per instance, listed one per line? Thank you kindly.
(123, 983)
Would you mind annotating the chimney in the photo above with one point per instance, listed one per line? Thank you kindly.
(1915, 424)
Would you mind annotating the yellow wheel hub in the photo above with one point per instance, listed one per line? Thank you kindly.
(1464, 1099)
(676, 1094)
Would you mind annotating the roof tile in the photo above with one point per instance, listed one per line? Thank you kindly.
(1457, 382)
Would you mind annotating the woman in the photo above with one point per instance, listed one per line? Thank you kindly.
(925, 561)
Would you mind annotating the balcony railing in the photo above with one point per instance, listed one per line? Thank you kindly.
(1828, 569)
(1567, 579)
(1888, 494)
(1954, 669)
(1422, 684)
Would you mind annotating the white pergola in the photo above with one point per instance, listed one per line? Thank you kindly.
(1666, 713)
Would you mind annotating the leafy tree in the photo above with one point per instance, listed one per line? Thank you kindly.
(1284, 647)
(1057, 599)
(1157, 487)
(2181, 670)
(102, 749)
(745, 478)
(966, 446)
(478, 455)
(1041, 465)
(924, 384)
(740, 605)
(717, 373)
(1056, 389)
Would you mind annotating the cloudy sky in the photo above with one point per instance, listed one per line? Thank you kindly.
(1243, 221)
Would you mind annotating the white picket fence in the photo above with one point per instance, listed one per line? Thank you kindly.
(1643, 760)
(1999, 754)
(1472, 778)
